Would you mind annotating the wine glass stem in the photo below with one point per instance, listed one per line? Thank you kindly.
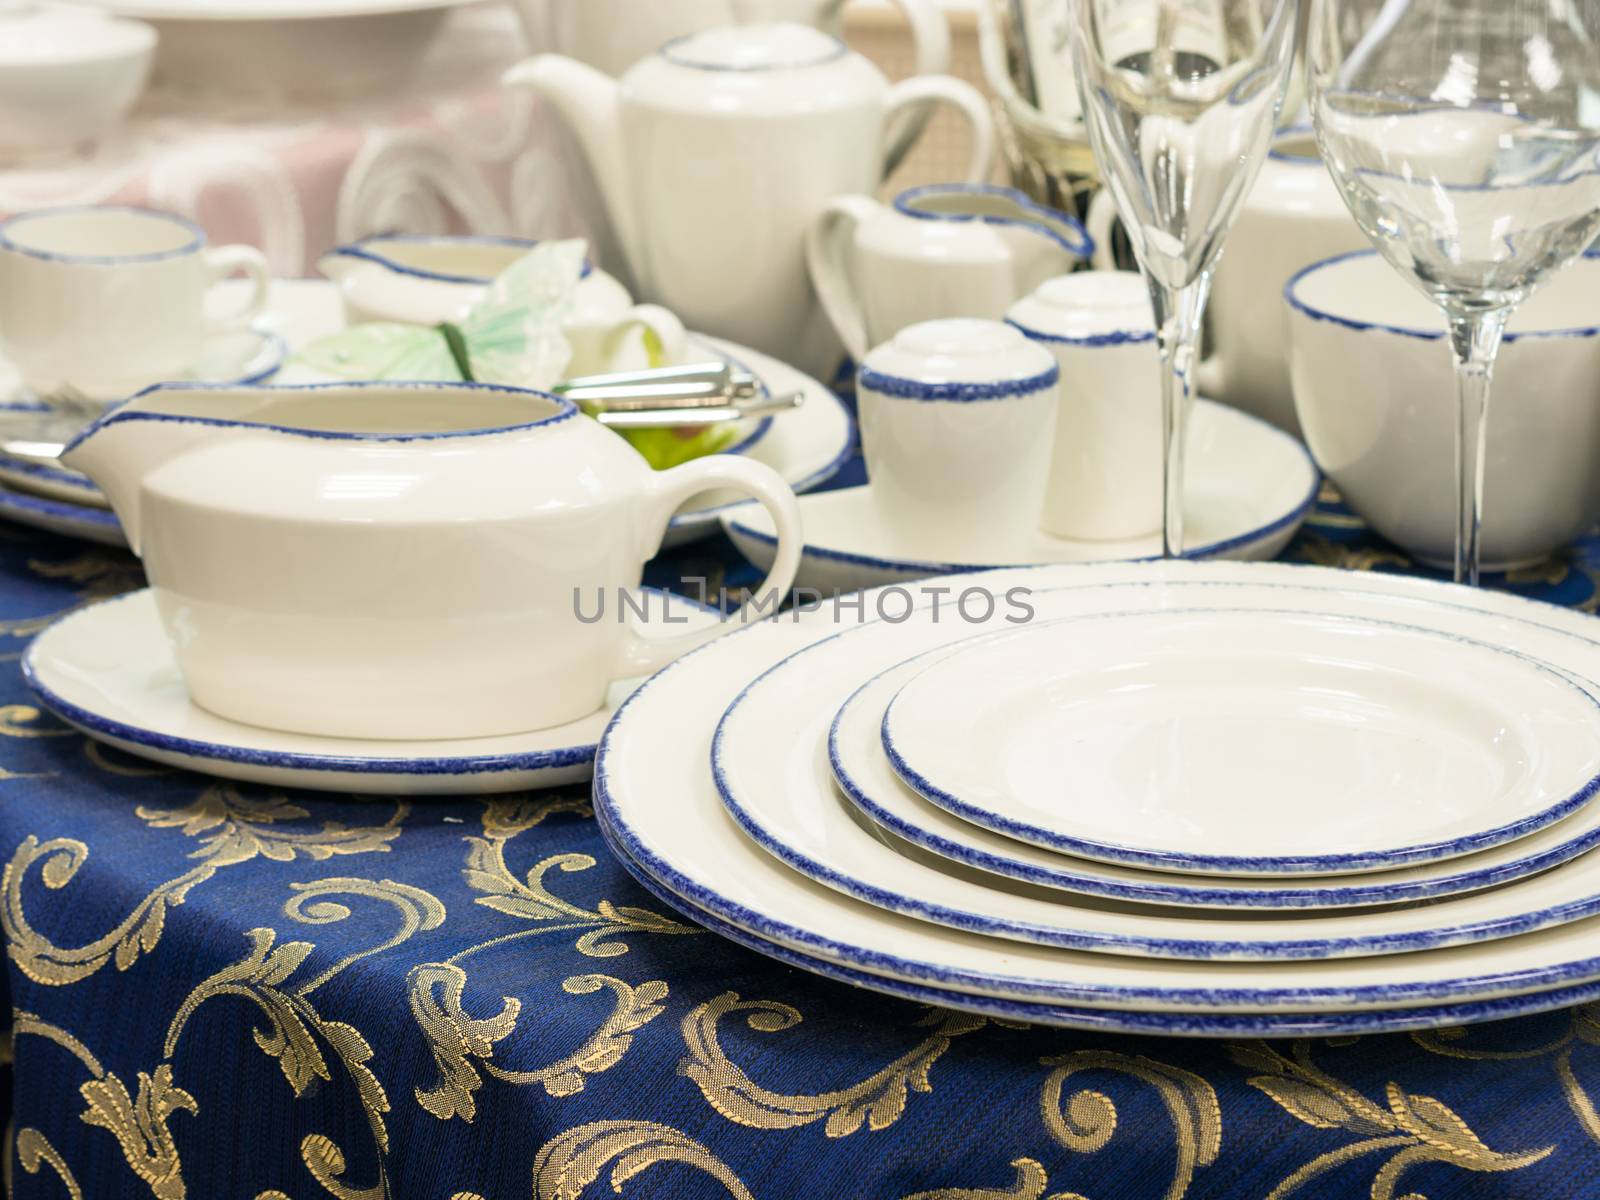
(1475, 339)
(1178, 314)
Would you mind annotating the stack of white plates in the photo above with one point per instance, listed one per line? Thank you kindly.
(1199, 799)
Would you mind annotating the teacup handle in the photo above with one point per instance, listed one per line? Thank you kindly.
(666, 327)
(1210, 375)
(222, 262)
(667, 492)
(911, 96)
(830, 243)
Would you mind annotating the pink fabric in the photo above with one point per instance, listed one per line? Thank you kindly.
(455, 154)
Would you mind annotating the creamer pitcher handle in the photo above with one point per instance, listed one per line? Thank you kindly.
(1102, 219)
(830, 244)
(668, 491)
(911, 96)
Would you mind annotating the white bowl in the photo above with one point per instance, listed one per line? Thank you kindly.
(284, 51)
(67, 77)
(1375, 391)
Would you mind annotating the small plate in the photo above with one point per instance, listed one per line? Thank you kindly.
(1249, 487)
(108, 669)
(1178, 740)
(868, 782)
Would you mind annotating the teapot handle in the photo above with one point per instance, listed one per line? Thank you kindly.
(830, 243)
(911, 96)
(669, 490)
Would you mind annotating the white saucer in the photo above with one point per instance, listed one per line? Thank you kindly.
(108, 669)
(1178, 740)
(1249, 488)
(864, 776)
(242, 356)
(807, 447)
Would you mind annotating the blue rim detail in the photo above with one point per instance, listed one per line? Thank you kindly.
(897, 387)
(1579, 973)
(1105, 1020)
(1265, 864)
(1083, 249)
(196, 242)
(565, 410)
(1299, 160)
(668, 52)
(363, 250)
(92, 723)
(914, 569)
(1078, 939)
(1092, 341)
(1292, 297)
(70, 479)
(60, 510)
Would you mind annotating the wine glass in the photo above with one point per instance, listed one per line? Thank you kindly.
(1181, 98)
(1465, 137)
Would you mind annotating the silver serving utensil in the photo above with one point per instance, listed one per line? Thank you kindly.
(698, 415)
(691, 386)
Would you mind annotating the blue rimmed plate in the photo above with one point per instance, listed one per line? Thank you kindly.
(654, 785)
(1248, 489)
(1177, 740)
(1105, 1020)
(869, 783)
(108, 669)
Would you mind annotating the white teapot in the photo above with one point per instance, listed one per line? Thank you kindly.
(715, 153)
(944, 250)
(400, 560)
(612, 35)
(1293, 217)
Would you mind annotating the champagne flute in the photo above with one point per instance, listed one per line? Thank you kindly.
(1465, 137)
(1181, 98)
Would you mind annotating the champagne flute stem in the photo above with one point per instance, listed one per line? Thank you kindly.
(1178, 315)
(1475, 339)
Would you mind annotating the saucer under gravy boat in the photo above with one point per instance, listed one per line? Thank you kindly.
(399, 560)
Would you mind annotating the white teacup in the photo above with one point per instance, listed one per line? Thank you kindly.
(1374, 384)
(956, 425)
(1105, 480)
(423, 279)
(108, 300)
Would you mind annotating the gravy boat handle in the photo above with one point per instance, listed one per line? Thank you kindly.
(669, 490)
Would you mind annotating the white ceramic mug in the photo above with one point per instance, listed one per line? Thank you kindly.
(1105, 479)
(111, 299)
(402, 560)
(942, 250)
(423, 279)
(1375, 386)
(956, 425)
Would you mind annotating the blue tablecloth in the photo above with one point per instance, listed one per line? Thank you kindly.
(226, 992)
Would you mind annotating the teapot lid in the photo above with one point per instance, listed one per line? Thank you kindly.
(1088, 308)
(779, 47)
(44, 35)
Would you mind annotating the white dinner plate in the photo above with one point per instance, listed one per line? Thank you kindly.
(1178, 740)
(772, 767)
(1106, 1020)
(108, 669)
(654, 785)
(1247, 490)
(807, 447)
(868, 782)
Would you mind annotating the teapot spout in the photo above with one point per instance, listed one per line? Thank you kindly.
(590, 101)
